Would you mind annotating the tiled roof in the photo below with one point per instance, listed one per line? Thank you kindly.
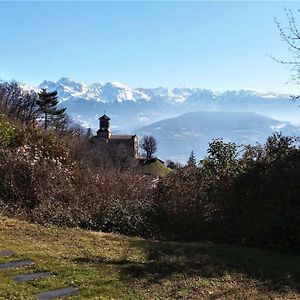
(121, 137)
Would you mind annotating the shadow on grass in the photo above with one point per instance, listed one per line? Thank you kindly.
(276, 271)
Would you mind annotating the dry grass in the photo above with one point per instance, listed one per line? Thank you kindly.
(109, 266)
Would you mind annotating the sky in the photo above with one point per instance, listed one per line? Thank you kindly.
(213, 45)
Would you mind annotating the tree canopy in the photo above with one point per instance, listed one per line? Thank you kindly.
(48, 102)
(148, 145)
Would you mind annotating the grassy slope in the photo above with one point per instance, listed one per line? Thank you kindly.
(109, 266)
(155, 168)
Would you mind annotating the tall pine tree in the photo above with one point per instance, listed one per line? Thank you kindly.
(47, 103)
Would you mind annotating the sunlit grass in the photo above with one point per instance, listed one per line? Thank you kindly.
(109, 266)
(155, 168)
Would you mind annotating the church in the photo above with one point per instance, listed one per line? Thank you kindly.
(116, 146)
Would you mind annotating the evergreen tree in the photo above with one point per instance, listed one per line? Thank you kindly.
(192, 161)
(47, 103)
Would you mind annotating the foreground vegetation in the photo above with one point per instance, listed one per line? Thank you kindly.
(236, 195)
(110, 266)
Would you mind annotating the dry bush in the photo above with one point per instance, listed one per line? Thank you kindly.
(26, 175)
(44, 182)
(47, 191)
(108, 200)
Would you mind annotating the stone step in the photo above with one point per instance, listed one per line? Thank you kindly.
(17, 264)
(29, 277)
(7, 252)
(69, 291)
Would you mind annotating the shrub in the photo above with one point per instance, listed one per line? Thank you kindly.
(251, 200)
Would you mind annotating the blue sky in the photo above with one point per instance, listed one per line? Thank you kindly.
(214, 45)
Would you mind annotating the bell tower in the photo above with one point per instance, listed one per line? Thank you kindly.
(104, 127)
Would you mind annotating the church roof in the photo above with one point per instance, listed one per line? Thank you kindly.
(104, 117)
(121, 137)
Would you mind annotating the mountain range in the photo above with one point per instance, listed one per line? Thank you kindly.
(132, 108)
(181, 119)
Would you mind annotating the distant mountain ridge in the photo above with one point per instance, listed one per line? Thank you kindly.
(177, 137)
(132, 108)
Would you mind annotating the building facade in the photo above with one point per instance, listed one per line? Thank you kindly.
(117, 147)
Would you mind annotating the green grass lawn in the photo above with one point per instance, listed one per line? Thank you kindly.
(110, 266)
(155, 168)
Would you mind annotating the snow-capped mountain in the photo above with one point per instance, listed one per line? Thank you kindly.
(66, 88)
(118, 92)
(131, 108)
(100, 92)
(177, 137)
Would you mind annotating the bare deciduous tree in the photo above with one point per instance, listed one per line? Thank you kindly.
(290, 34)
(18, 103)
(149, 145)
